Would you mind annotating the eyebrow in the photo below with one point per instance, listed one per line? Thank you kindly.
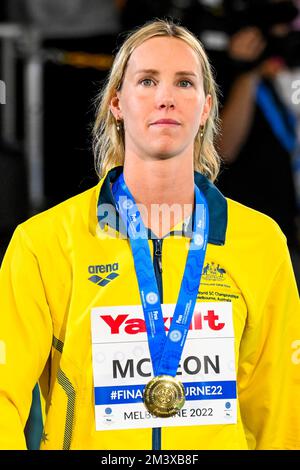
(156, 72)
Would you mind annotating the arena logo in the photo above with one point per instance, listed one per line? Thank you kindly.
(2, 92)
(103, 268)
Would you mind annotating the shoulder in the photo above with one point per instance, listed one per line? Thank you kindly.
(76, 213)
(256, 253)
(253, 226)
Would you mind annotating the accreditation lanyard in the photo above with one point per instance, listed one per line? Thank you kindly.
(165, 350)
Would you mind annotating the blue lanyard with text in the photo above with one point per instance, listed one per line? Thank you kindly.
(165, 350)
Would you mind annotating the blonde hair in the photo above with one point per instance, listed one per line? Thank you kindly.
(109, 143)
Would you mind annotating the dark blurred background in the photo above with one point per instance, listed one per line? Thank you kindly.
(55, 55)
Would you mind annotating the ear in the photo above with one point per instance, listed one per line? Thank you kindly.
(206, 109)
(115, 107)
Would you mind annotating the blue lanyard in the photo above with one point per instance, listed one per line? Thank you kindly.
(165, 351)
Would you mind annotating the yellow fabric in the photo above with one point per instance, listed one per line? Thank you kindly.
(45, 292)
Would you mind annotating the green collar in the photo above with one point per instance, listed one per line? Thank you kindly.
(217, 206)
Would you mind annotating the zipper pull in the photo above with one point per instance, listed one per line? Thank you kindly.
(157, 253)
(157, 247)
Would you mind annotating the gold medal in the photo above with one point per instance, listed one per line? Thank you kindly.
(164, 396)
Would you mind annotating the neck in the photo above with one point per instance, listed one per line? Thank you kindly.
(161, 182)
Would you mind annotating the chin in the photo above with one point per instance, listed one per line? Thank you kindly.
(163, 156)
(164, 153)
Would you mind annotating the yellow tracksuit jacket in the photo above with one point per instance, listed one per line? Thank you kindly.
(46, 296)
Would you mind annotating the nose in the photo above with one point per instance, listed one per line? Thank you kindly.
(165, 97)
(168, 104)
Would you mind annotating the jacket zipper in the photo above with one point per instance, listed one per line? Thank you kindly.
(157, 264)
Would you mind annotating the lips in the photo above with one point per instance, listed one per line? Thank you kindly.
(166, 122)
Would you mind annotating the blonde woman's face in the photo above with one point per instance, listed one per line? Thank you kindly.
(162, 101)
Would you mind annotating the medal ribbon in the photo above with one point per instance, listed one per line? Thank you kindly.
(165, 350)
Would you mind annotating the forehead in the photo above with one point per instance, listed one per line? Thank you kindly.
(166, 52)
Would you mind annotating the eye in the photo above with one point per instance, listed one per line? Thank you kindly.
(185, 83)
(147, 82)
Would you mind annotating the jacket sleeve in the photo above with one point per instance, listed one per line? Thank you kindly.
(25, 337)
(269, 370)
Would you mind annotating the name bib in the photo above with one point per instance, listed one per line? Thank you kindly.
(122, 368)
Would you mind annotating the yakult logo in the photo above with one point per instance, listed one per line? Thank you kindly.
(132, 326)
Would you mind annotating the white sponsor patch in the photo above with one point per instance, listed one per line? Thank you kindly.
(122, 367)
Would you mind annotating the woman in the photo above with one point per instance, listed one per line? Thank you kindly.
(224, 373)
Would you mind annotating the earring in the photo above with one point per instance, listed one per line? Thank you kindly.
(118, 124)
(201, 131)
